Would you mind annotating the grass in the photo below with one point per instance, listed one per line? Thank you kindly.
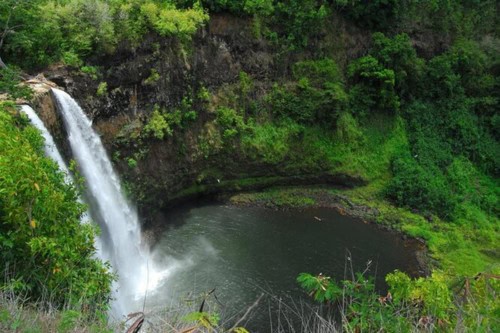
(460, 249)
(464, 245)
(276, 198)
(458, 246)
(19, 314)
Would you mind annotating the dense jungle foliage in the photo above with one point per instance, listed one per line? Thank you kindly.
(47, 253)
(419, 124)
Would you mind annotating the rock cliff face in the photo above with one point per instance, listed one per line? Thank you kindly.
(161, 72)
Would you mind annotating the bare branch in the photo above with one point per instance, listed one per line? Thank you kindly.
(250, 308)
(6, 28)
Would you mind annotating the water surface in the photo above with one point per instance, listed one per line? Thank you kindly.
(244, 251)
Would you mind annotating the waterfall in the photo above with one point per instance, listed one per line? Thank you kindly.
(51, 151)
(120, 228)
(50, 147)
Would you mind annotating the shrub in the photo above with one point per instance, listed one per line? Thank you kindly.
(376, 83)
(317, 96)
(92, 71)
(72, 59)
(376, 14)
(299, 20)
(47, 31)
(157, 125)
(169, 21)
(132, 163)
(348, 131)
(469, 185)
(10, 83)
(163, 122)
(269, 142)
(398, 54)
(44, 247)
(431, 294)
(229, 118)
(421, 188)
(356, 300)
(433, 302)
(245, 87)
(153, 77)
(102, 89)
(203, 94)
(318, 72)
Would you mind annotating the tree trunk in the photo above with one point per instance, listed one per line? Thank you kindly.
(2, 64)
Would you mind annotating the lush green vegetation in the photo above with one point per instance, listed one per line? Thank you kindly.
(418, 120)
(411, 304)
(442, 137)
(40, 32)
(48, 255)
(422, 131)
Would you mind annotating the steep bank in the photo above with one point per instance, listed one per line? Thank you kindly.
(200, 76)
(230, 110)
(227, 66)
(413, 116)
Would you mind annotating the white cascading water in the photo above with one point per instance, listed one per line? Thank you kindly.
(51, 151)
(120, 228)
(50, 147)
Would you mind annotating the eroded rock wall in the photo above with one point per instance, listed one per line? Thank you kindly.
(177, 166)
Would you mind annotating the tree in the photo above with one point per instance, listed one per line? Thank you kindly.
(6, 12)
(373, 86)
(12, 13)
(45, 250)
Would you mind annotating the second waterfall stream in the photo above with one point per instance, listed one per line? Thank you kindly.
(120, 227)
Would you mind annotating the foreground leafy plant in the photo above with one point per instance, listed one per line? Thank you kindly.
(46, 251)
(431, 303)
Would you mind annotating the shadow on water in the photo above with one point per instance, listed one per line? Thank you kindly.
(244, 251)
(167, 220)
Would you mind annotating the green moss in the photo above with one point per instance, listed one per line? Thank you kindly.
(152, 78)
(233, 185)
(276, 198)
(102, 89)
(271, 143)
(460, 246)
